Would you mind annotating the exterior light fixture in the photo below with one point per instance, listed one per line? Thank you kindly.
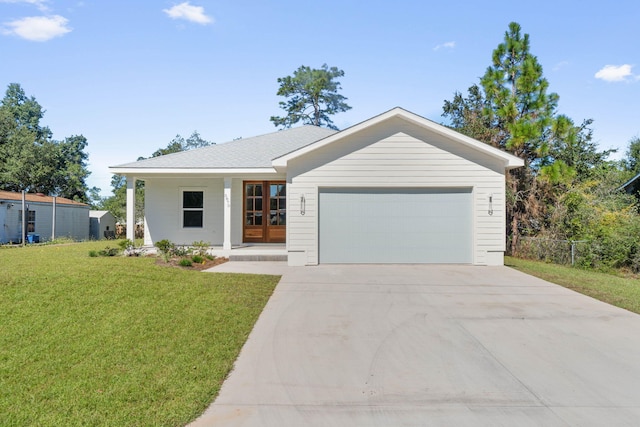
(303, 205)
(490, 204)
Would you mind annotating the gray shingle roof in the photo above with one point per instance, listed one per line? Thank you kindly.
(254, 152)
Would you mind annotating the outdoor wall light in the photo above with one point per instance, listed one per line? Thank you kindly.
(303, 205)
(491, 204)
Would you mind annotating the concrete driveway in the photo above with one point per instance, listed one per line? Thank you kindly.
(376, 345)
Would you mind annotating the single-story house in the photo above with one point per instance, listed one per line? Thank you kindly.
(102, 225)
(396, 188)
(46, 217)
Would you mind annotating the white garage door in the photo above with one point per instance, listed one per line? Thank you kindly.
(358, 225)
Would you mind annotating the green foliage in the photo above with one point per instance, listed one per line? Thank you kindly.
(30, 160)
(108, 251)
(198, 259)
(93, 253)
(313, 97)
(200, 247)
(513, 110)
(116, 341)
(166, 248)
(185, 262)
(632, 161)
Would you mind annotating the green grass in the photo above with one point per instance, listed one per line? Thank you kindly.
(620, 291)
(116, 341)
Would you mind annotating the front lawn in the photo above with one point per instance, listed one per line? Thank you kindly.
(622, 292)
(115, 341)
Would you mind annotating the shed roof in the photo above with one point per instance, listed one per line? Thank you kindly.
(254, 152)
(38, 197)
(98, 214)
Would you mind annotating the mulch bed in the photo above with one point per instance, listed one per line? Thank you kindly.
(208, 263)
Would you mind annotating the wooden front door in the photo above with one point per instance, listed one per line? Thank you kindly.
(265, 212)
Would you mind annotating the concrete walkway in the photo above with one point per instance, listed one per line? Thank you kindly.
(432, 346)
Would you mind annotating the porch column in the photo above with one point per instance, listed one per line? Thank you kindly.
(131, 207)
(226, 245)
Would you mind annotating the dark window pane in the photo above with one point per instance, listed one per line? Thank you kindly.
(273, 218)
(283, 218)
(249, 202)
(283, 203)
(192, 219)
(273, 204)
(283, 190)
(258, 204)
(258, 218)
(249, 189)
(249, 219)
(192, 199)
(258, 189)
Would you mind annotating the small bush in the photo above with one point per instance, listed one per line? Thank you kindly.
(108, 251)
(210, 257)
(200, 248)
(126, 243)
(181, 251)
(185, 262)
(93, 254)
(197, 259)
(166, 248)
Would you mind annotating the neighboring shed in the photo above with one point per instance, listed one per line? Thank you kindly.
(71, 217)
(102, 225)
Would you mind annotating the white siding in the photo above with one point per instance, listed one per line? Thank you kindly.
(163, 209)
(412, 158)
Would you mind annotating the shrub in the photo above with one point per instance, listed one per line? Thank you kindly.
(185, 262)
(166, 248)
(200, 248)
(108, 251)
(197, 259)
(93, 254)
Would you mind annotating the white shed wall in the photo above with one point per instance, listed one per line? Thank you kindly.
(72, 221)
(410, 158)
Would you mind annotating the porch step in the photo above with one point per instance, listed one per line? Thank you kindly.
(255, 257)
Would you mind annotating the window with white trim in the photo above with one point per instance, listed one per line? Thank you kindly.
(192, 209)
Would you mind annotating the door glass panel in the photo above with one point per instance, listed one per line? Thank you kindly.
(258, 188)
(249, 189)
(258, 205)
(257, 218)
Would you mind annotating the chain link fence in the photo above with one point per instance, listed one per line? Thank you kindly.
(569, 252)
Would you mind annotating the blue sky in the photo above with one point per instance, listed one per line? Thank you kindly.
(130, 75)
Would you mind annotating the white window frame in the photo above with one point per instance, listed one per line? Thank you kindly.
(183, 209)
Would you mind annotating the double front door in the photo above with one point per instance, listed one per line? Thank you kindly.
(265, 212)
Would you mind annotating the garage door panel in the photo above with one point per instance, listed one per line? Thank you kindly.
(395, 225)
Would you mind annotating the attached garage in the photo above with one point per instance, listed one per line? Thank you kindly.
(395, 225)
(399, 189)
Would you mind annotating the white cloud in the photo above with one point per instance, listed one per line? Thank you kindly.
(446, 45)
(615, 73)
(188, 12)
(40, 4)
(38, 28)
